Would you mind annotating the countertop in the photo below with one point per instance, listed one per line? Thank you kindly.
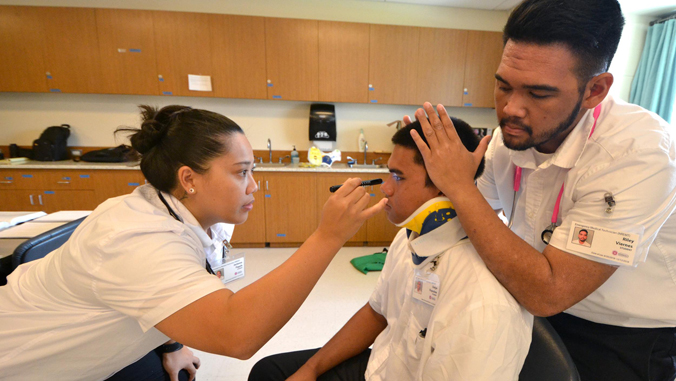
(265, 167)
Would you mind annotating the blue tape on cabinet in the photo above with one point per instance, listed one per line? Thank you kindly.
(49, 192)
(270, 85)
(161, 79)
(166, 92)
(9, 178)
(55, 90)
(268, 196)
(49, 77)
(467, 105)
(281, 235)
(133, 184)
(27, 176)
(134, 50)
(66, 178)
(371, 89)
(276, 97)
(84, 176)
(372, 194)
(374, 101)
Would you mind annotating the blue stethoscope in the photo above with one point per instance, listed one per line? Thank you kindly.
(549, 230)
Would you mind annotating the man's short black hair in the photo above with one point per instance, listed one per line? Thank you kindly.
(591, 29)
(583, 230)
(467, 136)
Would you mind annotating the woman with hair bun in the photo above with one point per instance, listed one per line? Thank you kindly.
(134, 279)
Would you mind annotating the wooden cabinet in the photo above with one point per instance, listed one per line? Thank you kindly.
(290, 207)
(22, 66)
(291, 48)
(183, 47)
(441, 70)
(46, 190)
(83, 50)
(343, 62)
(323, 194)
(113, 183)
(238, 56)
(484, 51)
(71, 50)
(393, 68)
(19, 200)
(252, 232)
(127, 50)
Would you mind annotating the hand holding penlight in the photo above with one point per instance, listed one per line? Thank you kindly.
(363, 184)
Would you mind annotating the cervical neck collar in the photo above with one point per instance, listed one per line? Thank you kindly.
(430, 216)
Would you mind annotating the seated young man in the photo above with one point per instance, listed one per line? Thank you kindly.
(437, 312)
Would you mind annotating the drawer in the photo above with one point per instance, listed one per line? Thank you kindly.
(21, 179)
(64, 179)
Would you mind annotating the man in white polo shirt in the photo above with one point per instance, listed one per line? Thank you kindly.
(568, 156)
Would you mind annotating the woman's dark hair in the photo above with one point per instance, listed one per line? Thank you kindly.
(174, 136)
(467, 136)
(591, 29)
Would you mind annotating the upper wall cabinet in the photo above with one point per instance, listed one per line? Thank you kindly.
(71, 50)
(183, 48)
(484, 51)
(22, 67)
(238, 56)
(343, 62)
(441, 69)
(393, 64)
(127, 50)
(292, 59)
(80, 50)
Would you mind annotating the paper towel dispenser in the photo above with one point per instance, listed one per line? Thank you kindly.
(322, 122)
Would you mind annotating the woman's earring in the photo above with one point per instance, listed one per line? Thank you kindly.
(191, 190)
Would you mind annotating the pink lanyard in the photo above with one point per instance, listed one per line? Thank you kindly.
(517, 172)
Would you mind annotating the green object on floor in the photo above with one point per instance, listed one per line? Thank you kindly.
(373, 262)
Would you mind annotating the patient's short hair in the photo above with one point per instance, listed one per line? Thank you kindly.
(467, 136)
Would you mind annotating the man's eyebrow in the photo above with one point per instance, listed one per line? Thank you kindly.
(395, 171)
(531, 87)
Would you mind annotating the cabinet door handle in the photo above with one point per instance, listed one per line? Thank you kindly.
(259, 184)
(63, 182)
(40, 198)
(31, 197)
(5, 182)
(266, 185)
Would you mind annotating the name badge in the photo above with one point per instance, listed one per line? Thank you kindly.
(230, 269)
(613, 246)
(426, 288)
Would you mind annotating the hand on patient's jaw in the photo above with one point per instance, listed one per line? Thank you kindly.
(345, 211)
(449, 164)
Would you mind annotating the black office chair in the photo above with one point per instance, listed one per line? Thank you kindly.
(43, 244)
(547, 359)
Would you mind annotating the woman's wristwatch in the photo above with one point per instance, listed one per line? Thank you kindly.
(168, 348)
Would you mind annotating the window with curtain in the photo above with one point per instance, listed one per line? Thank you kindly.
(654, 85)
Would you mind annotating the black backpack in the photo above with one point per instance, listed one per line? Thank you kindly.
(109, 155)
(51, 145)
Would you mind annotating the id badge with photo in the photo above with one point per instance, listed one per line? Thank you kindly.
(426, 288)
(229, 268)
(613, 246)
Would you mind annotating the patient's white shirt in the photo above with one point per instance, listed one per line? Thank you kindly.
(89, 308)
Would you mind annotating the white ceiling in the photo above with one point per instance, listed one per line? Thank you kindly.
(635, 7)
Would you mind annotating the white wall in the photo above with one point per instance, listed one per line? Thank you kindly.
(95, 117)
(628, 54)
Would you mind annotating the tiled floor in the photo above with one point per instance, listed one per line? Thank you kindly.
(340, 292)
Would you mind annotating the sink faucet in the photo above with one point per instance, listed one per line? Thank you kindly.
(366, 148)
(270, 149)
